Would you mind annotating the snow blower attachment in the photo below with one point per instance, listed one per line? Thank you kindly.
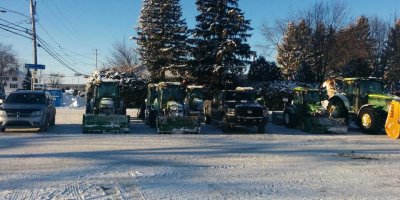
(392, 126)
(172, 115)
(105, 109)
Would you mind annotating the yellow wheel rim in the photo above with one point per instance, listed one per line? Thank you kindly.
(366, 120)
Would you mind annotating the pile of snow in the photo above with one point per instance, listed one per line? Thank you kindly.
(72, 101)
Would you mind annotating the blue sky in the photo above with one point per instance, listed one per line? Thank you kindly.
(81, 26)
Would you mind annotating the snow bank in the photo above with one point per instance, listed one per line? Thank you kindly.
(71, 101)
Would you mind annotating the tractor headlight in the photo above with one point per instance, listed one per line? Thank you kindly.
(231, 111)
(36, 113)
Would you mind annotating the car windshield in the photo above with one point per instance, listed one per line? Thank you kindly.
(25, 98)
(371, 87)
(239, 96)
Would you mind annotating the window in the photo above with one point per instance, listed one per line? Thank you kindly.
(7, 78)
(13, 85)
(14, 78)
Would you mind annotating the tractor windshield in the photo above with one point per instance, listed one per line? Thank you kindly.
(196, 93)
(368, 86)
(173, 93)
(239, 96)
(107, 90)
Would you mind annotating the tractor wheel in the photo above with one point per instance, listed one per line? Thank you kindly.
(337, 109)
(152, 118)
(371, 120)
(289, 119)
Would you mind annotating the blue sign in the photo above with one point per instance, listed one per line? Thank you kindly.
(57, 96)
(33, 66)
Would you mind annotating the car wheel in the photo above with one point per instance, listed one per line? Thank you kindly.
(44, 126)
(289, 119)
(53, 121)
(225, 125)
(261, 128)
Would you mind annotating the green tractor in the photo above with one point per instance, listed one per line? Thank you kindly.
(150, 113)
(194, 100)
(171, 113)
(306, 111)
(362, 99)
(105, 109)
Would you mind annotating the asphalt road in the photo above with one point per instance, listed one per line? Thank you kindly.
(280, 164)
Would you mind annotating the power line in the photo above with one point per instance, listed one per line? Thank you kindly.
(16, 33)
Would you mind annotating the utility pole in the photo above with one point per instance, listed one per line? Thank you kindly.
(33, 13)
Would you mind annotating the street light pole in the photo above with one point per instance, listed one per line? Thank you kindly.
(33, 13)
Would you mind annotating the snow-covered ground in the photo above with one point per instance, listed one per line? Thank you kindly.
(281, 164)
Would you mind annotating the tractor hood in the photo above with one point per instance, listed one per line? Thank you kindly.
(382, 100)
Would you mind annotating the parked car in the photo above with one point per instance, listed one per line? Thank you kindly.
(238, 107)
(26, 108)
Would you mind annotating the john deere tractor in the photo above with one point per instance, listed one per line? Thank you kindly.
(150, 113)
(306, 111)
(362, 99)
(194, 100)
(171, 114)
(105, 109)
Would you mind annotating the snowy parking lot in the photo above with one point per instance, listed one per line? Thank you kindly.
(281, 164)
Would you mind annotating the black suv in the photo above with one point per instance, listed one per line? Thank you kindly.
(26, 108)
(236, 108)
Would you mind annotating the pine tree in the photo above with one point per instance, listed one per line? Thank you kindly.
(354, 45)
(264, 71)
(220, 48)
(304, 73)
(27, 83)
(392, 54)
(162, 38)
(295, 48)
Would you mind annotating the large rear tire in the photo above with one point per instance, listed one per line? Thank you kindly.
(337, 109)
(371, 120)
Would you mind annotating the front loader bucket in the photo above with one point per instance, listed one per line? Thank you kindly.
(105, 123)
(324, 125)
(189, 124)
(392, 126)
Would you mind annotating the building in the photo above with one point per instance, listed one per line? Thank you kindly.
(13, 81)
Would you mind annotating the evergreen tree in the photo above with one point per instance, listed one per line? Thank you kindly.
(264, 71)
(295, 48)
(162, 38)
(27, 83)
(392, 54)
(304, 73)
(355, 45)
(220, 48)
